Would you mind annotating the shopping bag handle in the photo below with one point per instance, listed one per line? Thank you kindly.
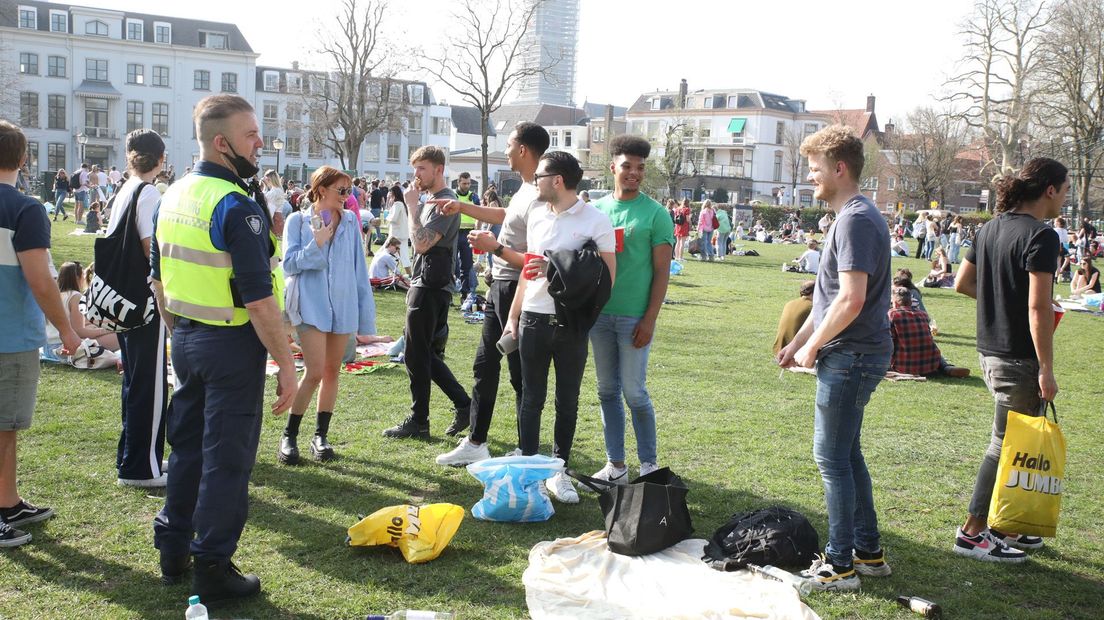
(1043, 409)
(596, 485)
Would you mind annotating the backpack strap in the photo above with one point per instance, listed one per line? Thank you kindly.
(594, 484)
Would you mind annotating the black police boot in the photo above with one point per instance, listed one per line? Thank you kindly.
(321, 449)
(288, 454)
(460, 421)
(220, 580)
(408, 428)
(173, 567)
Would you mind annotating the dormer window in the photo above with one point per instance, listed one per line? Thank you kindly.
(96, 28)
(657, 103)
(135, 30)
(59, 21)
(272, 81)
(294, 83)
(213, 40)
(162, 33)
(28, 17)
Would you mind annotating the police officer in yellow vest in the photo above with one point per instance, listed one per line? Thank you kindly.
(464, 271)
(220, 293)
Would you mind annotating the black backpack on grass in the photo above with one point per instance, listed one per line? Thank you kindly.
(777, 536)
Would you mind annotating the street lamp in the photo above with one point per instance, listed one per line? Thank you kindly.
(82, 140)
(278, 144)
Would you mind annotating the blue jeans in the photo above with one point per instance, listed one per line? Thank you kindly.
(956, 247)
(845, 381)
(622, 369)
(929, 247)
(59, 203)
(707, 245)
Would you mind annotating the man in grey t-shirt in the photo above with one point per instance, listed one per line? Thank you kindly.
(524, 148)
(847, 339)
(433, 236)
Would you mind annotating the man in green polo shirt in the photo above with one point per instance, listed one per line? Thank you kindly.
(622, 336)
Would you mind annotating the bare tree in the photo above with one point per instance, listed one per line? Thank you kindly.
(9, 84)
(481, 64)
(995, 76)
(925, 157)
(676, 164)
(1071, 78)
(359, 96)
(794, 162)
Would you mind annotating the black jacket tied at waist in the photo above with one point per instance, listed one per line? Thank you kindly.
(579, 282)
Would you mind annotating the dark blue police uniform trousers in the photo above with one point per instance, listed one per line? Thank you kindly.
(145, 398)
(213, 428)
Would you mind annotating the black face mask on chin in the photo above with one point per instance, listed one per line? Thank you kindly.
(242, 166)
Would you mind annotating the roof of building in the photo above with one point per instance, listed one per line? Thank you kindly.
(746, 99)
(543, 114)
(427, 97)
(466, 120)
(598, 110)
(185, 32)
(864, 122)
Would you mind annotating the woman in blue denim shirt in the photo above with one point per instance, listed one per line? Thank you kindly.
(328, 299)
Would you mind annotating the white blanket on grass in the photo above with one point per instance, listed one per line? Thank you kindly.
(573, 578)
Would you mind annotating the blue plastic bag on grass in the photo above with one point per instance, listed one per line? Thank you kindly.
(512, 488)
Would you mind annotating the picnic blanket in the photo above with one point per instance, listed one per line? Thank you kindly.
(374, 350)
(580, 577)
(79, 232)
(890, 376)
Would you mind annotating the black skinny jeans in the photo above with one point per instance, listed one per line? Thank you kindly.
(426, 336)
(543, 342)
(488, 361)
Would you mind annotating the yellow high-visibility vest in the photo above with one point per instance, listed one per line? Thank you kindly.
(466, 221)
(196, 275)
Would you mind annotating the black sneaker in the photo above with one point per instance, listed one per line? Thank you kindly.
(408, 428)
(321, 449)
(288, 454)
(11, 537)
(825, 576)
(24, 513)
(221, 580)
(1019, 541)
(871, 564)
(173, 567)
(460, 422)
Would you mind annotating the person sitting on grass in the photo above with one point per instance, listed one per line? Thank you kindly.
(1087, 279)
(899, 247)
(808, 262)
(385, 266)
(92, 218)
(941, 274)
(71, 283)
(794, 314)
(914, 349)
(903, 277)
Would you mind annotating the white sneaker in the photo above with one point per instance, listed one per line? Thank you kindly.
(148, 483)
(611, 473)
(561, 488)
(647, 468)
(514, 452)
(465, 453)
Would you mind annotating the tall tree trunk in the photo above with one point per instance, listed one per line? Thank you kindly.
(484, 180)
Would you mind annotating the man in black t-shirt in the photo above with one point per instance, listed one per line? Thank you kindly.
(375, 205)
(1010, 271)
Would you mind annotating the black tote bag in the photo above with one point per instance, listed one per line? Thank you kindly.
(119, 297)
(645, 516)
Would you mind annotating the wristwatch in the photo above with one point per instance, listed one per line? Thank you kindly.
(498, 251)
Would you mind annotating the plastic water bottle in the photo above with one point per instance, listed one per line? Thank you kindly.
(802, 586)
(196, 610)
(413, 614)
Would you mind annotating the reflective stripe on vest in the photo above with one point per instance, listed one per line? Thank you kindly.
(466, 221)
(195, 274)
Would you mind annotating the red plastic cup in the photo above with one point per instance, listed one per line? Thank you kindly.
(476, 251)
(528, 257)
(619, 234)
(1059, 312)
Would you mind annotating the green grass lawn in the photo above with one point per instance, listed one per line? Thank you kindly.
(740, 435)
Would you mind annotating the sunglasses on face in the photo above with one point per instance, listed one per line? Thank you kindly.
(343, 191)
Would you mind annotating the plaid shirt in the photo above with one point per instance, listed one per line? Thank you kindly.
(914, 350)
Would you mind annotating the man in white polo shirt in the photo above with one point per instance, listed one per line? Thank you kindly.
(564, 223)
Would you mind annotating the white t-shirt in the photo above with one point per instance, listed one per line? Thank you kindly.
(1063, 235)
(513, 234)
(810, 261)
(569, 230)
(101, 178)
(383, 265)
(275, 199)
(114, 176)
(147, 204)
(399, 221)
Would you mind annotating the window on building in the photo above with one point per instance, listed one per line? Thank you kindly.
(392, 153)
(410, 151)
(55, 66)
(270, 111)
(779, 132)
(596, 132)
(294, 83)
(28, 63)
(202, 80)
(95, 113)
(162, 33)
(55, 156)
(135, 30)
(28, 17)
(810, 129)
(135, 115)
(136, 74)
(705, 129)
(554, 136)
(95, 69)
(213, 40)
(28, 109)
(371, 149)
(567, 139)
(707, 102)
(777, 165)
(733, 101)
(59, 21)
(414, 123)
(159, 113)
(315, 143)
(55, 112)
(229, 82)
(272, 81)
(417, 94)
(657, 103)
(160, 76)
(293, 111)
(395, 93)
(292, 144)
(441, 125)
(32, 158)
(891, 183)
(96, 28)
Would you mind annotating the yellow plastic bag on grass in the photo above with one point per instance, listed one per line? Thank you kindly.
(1028, 491)
(421, 533)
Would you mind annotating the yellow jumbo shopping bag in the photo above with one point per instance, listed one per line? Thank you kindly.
(1028, 491)
(421, 533)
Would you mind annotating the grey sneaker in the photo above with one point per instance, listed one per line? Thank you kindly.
(11, 537)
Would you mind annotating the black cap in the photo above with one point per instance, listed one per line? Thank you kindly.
(146, 142)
